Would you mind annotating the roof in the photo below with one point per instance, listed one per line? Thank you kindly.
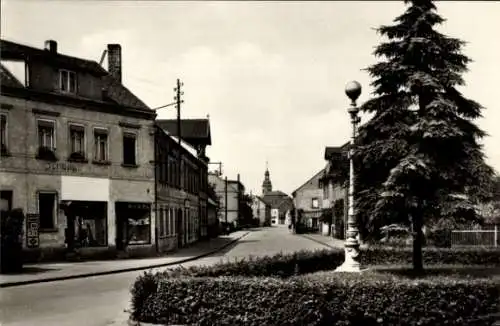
(195, 131)
(322, 171)
(335, 150)
(114, 91)
(8, 79)
(275, 198)
(275, 193)
(260, 199)
(16, 51)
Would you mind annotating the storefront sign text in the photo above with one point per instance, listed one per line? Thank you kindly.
(137, 206)
(61, 167)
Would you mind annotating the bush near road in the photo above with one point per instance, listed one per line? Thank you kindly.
(271, 291)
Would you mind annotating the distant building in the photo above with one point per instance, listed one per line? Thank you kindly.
(261, 210)
(229, 193)
(280, 203)
(308, 201)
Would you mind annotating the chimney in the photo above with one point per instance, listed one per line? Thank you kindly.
(115, 61)
(51, 46)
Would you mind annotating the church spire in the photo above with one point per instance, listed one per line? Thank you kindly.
(267, 185)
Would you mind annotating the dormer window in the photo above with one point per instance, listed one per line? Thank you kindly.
(67, 81)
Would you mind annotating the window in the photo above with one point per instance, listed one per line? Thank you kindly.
(91, 223)
(129, 149)
(161, 217)
(173, 221)
(46, 134)
(3, 133)
(101, 145)
(5, 200)
(169, 223)
(77, 141)
(315, 203)
(137, 218)
(325, 190)
(67, 81)
(47, 209)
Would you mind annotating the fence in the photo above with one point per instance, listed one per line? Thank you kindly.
(475, 238)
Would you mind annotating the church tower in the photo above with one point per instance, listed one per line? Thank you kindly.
(266, 185)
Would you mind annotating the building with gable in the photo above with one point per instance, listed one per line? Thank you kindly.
(261, 210)
(77, 152)
(309, 203)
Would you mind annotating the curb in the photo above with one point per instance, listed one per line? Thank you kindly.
(317, 241)
(119, 271)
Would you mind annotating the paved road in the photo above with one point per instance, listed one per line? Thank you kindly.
(100, 301)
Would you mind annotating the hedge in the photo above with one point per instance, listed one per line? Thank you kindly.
(302, 262)
(231, 293)
(323, 298)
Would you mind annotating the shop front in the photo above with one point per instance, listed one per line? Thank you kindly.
(86, 225)
(133, 225)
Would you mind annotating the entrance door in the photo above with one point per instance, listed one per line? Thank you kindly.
(180, 229)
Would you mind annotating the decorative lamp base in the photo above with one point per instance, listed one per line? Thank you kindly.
(351, 263)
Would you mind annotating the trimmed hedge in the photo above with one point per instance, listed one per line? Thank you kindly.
(302, 262)
(323, 298)
(230, 293)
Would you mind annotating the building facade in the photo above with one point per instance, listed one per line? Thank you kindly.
(228, 193)
(181, 194)
(261, 210)
(334, 184)
(308, 200)
(77, 152)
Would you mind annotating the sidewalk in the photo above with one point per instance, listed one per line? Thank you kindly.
(37, 273)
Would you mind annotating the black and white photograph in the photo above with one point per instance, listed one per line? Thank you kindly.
(254, 163)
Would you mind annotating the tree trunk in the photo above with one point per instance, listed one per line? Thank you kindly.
(418, 264)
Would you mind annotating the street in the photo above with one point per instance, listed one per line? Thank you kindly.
(99, 301)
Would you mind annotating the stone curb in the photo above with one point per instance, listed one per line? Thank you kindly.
(118, 271)
(317, 241)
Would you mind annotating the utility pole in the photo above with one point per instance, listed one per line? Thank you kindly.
(239, 199)
(220, 166)
(178, 101)
(225, 200)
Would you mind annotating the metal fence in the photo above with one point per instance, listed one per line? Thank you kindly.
(475, 238)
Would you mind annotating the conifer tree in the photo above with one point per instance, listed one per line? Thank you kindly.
(418, 158)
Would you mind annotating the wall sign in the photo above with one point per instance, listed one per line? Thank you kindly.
(32, 234)
(61, 167)
(138, 206)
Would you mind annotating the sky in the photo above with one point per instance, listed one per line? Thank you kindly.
(270, 74)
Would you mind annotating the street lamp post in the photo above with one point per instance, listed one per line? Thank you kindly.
(352, 259)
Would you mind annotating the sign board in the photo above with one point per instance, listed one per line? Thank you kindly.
(139, 206)
(32, 234)
(61, 167)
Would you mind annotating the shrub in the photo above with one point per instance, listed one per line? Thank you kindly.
(440, 238)
(317, 299)
(12, 241)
